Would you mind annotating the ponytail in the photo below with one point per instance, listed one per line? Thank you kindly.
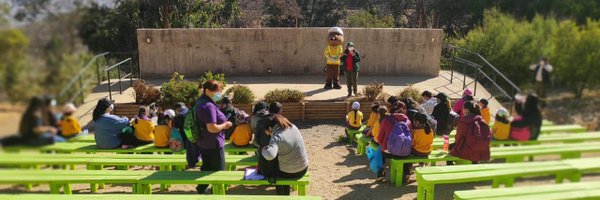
(355, 113)
(283, 122)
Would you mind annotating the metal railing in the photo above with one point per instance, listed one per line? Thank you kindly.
(85, 77)
(483, 72)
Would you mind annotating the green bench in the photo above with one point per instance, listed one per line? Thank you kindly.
(582, 190)
(98, 161)
(84, 138)
(351, 133)
(438, 142)
(141, 181)
(91, 148)
(510, 154)
(147, 197)
(501, 174)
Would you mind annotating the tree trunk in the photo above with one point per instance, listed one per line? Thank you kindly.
(164, 11)
(420, 14)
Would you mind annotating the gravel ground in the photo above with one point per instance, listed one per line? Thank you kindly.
(336, 173)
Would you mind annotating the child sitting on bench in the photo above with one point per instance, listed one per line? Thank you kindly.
(143, 127)
(501, 129)
(354, 117)
(69, 126)
(162, 131)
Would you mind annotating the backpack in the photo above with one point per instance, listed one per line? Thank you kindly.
(191, 128)
(452, 120)
(400, 140)
(375, 158)
(175, 141)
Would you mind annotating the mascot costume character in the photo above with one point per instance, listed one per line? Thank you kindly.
(333, 53)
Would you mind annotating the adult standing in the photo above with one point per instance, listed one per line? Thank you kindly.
(541, 76)
(108, 127)
(210, 145)
(287, 145)
(350, 64)
(440, 113)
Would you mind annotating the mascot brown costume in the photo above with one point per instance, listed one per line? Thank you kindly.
(333, 53)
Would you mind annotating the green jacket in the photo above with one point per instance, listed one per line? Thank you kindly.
(355, 59)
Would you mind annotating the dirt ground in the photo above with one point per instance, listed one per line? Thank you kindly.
(336, 173)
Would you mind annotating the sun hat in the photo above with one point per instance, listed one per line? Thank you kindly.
(502, 112)
(336, 30)
(355, 105)
(69, 108)
(170, 113)
(468, 92)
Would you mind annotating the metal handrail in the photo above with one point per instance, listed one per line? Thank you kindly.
(129, 75)
(79, 75)
(489, 65)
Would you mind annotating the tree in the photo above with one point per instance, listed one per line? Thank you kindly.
(282, 13)
(304, 13)
(14, 85)
(364, 19)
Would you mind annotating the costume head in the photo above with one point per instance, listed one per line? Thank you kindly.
(335, 36)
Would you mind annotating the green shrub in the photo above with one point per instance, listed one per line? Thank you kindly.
(284, 96)
(145, 93)
(373, 90)
(241, 94)
(411, 92)
(211, 76)
(178, 90)
(364, 19)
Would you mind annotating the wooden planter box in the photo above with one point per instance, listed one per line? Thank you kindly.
(126, 109)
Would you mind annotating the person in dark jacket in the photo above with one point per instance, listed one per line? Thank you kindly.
(350, 64)
(541, 75)
(440, 113)
(264, 131)
(472, 140)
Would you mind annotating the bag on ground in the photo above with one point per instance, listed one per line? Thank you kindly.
(375, 158)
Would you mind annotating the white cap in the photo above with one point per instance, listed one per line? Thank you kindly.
(336, 30)
(355, 105)
(170, 113)
(69, 108)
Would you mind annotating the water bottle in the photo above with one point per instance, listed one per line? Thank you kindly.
(446, 143)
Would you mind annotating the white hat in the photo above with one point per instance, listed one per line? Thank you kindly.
(170, 113)
(69, 108)
(336, 30)
(355, 105)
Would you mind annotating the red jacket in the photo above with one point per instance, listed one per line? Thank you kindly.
(472, 139)
(385, 129)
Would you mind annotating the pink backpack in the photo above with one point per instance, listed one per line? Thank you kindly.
(519, 133)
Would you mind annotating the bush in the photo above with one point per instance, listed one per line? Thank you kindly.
(364, 19)
(145, 93)
(411, 92)
(241, 94)
(373, 90)
(284, 96)
(178, 90)
(210, 76)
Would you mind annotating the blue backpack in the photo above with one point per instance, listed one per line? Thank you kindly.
(400, 140)
(176, 140)
(375, 158)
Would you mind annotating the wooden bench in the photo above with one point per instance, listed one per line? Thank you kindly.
(500, 174)
(91, 148)
(510, 154)
(98, 161)
(583, 190)
(141, 181)
(150, 197)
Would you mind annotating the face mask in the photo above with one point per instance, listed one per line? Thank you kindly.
(217, 96)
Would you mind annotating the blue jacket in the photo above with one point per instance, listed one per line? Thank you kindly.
(108, 131)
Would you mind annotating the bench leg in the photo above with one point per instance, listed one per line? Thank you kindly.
(28, 187)
(399, 169)
(67, 189)
(575, 177)
(147, 188)
(509, 182)
(429, 193)
(218, 189)
(496, 183)
(94, 188)
(55, 188)
(301, 190)
(420, 186)
(139, 189)
(393, 172)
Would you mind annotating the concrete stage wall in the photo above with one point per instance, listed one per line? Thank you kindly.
(285, 51)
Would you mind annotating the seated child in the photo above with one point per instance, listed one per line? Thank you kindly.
(382, 112)
(519, 127)
(242, 135)
(354, 117)
(229, 111)
(373, 117)
(422, 135)
(485, 110)
(162, 131)
(69, 125)
(143, 127)
(501, 129)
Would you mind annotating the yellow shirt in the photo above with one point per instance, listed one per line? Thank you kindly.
(375, 130)
(422, 141)
(333, 54)
(501, 131)
(355, 122)
(144, 130)
(485, 113)
(373, 117)
(242, 135)
(69, 126)
(162, 133)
